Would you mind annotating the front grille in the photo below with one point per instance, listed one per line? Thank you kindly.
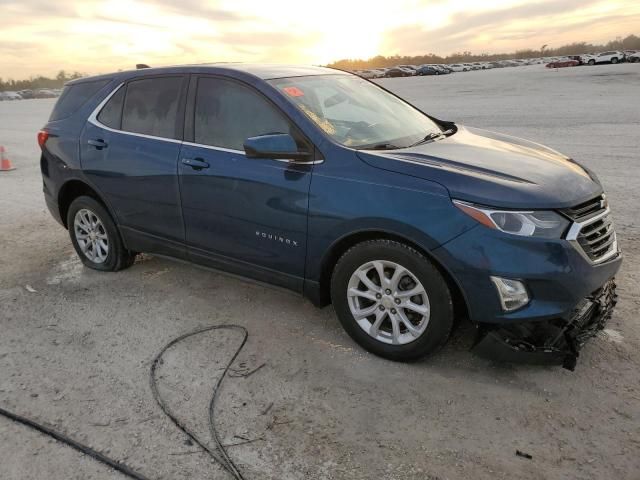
(593, 229)
(587, 209)
(597, 239)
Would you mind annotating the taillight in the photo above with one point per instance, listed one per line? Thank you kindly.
(42, 138)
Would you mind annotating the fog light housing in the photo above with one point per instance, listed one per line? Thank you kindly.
(512, 293)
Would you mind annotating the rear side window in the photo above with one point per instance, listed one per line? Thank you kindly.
(111, 113)
(75, 96)
(151, 105)
(227, 113)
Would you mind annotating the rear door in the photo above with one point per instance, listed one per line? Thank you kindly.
(130, 151)
(245, 215)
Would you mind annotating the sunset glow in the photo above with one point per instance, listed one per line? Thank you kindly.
(93, 36)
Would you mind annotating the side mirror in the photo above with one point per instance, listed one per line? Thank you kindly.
(276, 146)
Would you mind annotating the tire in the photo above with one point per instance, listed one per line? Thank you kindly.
(614, 60)
(393, 339)
(89, 218)
(592, 62)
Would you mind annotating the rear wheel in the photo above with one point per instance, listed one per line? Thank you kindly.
(95, 236)
(592, 62)
(392, 300)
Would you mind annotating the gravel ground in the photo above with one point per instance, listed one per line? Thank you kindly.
(75, 352)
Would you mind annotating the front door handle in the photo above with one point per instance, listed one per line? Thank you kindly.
(195, 163)
(98, 143)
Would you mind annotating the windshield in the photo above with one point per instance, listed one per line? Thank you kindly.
(355, 112)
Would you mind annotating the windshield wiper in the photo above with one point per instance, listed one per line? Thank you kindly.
(382, 146)
(432, 136)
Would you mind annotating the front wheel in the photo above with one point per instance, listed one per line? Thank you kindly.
(614, 60)
(95, 236)
(592, 62)
(392, 300)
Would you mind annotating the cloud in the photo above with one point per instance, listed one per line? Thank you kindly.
(506, 24)
(95, 36)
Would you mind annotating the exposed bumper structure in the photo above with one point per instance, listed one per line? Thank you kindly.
(555, 341)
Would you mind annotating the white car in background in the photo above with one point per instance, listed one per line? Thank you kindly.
(613, 56)
(458, 67)
(8, 96)
(634, 57)
(366, 74)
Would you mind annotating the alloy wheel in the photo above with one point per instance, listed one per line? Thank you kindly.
(388, 302)
(91, 236)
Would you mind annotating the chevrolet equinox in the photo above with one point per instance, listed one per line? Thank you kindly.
(327, 184)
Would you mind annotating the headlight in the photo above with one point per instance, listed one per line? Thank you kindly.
(533, 223)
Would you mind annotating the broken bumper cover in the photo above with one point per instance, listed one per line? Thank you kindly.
(555, 341)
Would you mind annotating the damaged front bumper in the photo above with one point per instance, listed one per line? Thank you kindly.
(556, 341)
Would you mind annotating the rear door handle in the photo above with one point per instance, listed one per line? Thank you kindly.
(98, 143)
(195, 163)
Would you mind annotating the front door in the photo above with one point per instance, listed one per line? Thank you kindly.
(244, 215)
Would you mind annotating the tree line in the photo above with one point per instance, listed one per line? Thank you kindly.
(631, 42)
(39, 81)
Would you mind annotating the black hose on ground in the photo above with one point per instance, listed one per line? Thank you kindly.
(121, 467)
(220, 456)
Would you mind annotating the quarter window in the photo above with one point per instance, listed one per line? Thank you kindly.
(227, 113)
(151, 105)
(111, 113)
(75, 96)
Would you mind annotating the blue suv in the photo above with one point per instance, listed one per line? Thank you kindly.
(324, 183)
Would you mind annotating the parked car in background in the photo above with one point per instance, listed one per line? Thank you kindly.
(427, 70)
(399, 72)
(588, 58)
(44, 93)
(634, 57)
(9, 96)
(410, 68)
(607, 57)
(441, 68)
(458, 67)
(26, 94)
(365, 73)
(322, 182)
(562, 63)
(577, 58)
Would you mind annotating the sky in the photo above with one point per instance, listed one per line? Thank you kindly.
(98, 36)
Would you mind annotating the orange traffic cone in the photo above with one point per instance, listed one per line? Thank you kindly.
(5, 163)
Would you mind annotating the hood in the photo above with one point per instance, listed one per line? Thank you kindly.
(493, 169)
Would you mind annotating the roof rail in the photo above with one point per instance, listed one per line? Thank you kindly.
(140, 66)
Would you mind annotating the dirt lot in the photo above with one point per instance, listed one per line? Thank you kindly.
(76, 352)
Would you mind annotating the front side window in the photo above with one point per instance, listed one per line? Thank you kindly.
(227, 113)
(151, 105)
(355, 112)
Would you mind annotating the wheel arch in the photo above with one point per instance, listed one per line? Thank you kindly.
(344, 243)
(73, 189)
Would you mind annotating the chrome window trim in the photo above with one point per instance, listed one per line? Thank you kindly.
(242, 152)
(576, 228)
(93, 119)
(211, 147)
